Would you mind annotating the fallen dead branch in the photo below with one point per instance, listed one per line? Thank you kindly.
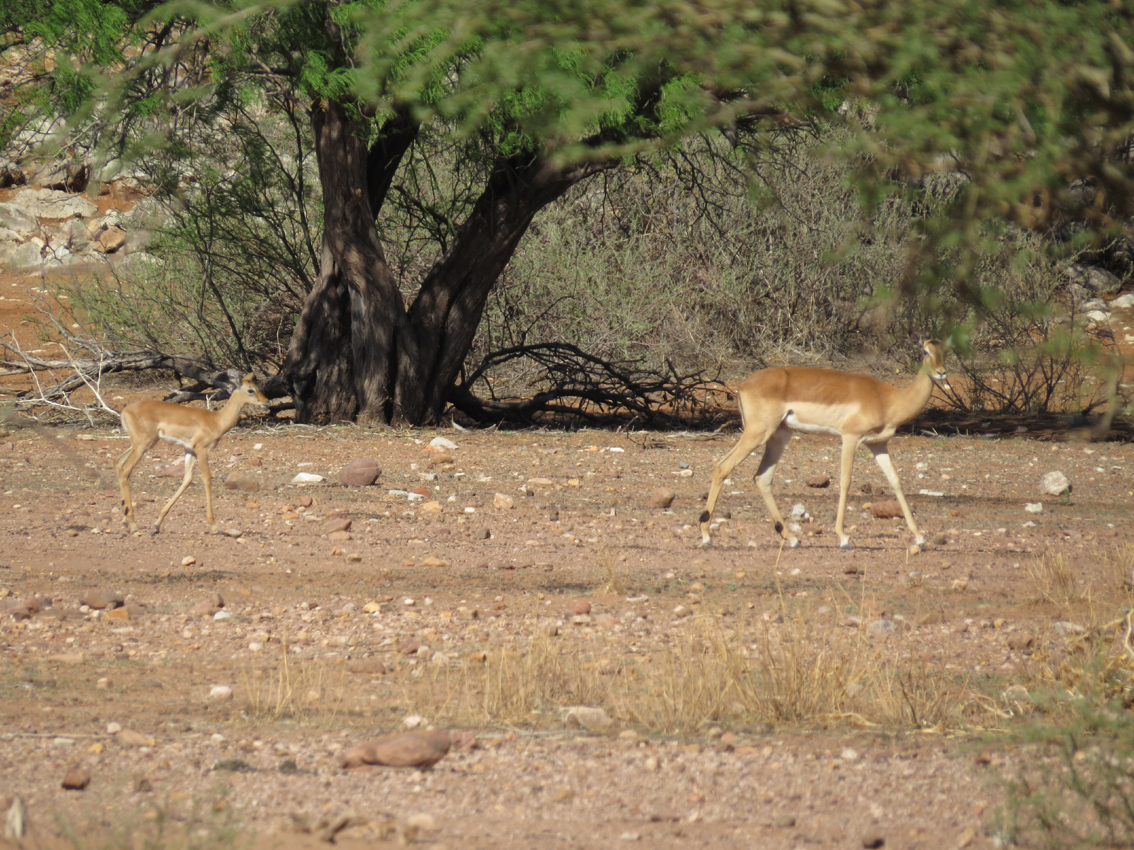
(579, 386)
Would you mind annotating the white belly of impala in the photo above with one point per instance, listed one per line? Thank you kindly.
(796, 424)
(169, 438)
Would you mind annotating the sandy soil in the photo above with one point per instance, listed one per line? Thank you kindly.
(579, 528)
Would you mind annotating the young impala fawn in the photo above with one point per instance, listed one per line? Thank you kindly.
(195, 430)
(858, 408)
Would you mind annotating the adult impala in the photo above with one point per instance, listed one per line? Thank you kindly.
(858, 408)
(195, 430)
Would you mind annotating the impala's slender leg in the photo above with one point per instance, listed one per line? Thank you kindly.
(773, 451)
(850, 446)
(189, 458)
(882, 457)
(207, 480)
(125, 466)
(751, 438)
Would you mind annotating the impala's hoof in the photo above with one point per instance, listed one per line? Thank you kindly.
(155, 530)
(845, 546)
(706, 544)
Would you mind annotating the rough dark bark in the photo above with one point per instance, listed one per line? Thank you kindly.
(357, 353)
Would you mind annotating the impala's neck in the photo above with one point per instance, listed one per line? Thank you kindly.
(911, 399)
(228, 415)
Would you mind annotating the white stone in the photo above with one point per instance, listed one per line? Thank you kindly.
(442, 443)
(307, 478)
(1034, 508)
(1123, 302)
(220, 693)
(1055, 483)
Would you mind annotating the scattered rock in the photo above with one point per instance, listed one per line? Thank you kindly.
(130, 738)
(581, 606)
(886, 510)
(1055, 484)
(308, 478)
(360, 472)
(419, 748)
(409, 646)
(819, 482)
(102, 599)
(442, 443)
(592, 719)
(661, 498)
(76, 779)
(503, 502)
(1091, 280)
(368, 667)
(1034, 507)
(238, 481)
(220, 693)
(16, 819)
(142, 784)
(334, 524)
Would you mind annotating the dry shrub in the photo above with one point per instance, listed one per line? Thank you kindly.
(305, 690)
(805, 670)
(1053, 576)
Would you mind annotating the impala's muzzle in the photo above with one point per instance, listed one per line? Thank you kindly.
(942, 379)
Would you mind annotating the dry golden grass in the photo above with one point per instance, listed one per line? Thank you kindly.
(805, 670)
(296, 690)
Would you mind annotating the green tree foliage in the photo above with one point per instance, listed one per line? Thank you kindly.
(1028, 105)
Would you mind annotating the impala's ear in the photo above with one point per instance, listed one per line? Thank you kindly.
(249, 378)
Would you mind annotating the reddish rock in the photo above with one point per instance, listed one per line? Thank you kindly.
(171, 470)
(360, 472)
(886, 510)
(25, 609)
(302, 502)
(368, 667)
(101, 599)
(409, 646)
(662, 498)
(338, 523)
(236, 481)
(419, 748)
(580, 607)
(76, 779)
(819, 482)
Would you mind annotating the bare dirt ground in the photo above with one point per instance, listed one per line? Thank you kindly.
(579, 528)
(202, 726)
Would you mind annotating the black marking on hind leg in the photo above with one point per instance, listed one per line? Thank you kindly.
(704, 516)
(779, 528)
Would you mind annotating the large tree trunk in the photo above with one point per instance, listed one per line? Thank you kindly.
(342, 354)
(356, 353)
